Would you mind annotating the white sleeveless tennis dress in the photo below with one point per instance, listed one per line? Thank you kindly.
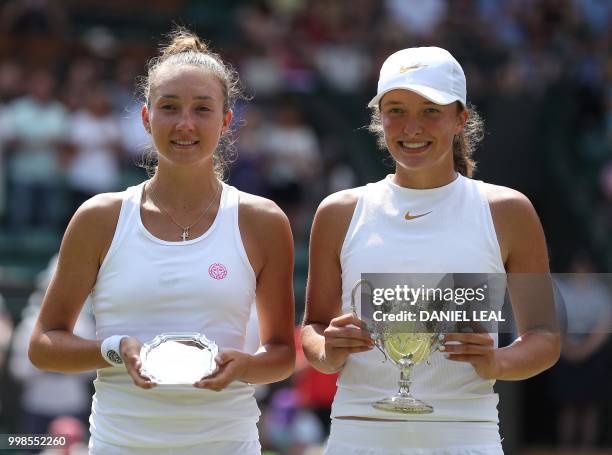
(450, 230)
(147, 286)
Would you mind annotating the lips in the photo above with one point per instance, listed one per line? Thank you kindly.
(414, 146)
(184, 143)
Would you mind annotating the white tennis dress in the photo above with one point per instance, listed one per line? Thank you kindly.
(450, 230)
(147, 286)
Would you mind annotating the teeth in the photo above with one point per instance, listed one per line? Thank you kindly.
(414, 145)
(185, 142)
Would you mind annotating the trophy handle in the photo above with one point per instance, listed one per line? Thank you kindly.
(356, 286)
(378, 341)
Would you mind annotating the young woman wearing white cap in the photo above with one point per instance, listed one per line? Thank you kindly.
(427, 217)
(180, 252)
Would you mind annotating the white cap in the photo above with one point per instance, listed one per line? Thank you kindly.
(431, 72)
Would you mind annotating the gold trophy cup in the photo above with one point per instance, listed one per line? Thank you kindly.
(404, 349)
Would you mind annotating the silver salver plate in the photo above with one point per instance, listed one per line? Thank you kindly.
(176, 358)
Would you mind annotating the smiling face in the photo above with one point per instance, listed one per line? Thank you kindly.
(185, 115)
(419, 135)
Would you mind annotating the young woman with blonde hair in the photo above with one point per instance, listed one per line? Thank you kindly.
(181, 252)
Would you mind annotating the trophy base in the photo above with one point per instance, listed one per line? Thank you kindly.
(403, 405)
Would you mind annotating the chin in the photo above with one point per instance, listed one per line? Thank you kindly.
(187, 159)
(413, 163)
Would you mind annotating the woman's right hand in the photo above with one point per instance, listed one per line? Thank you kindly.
(345, 335)
(130, 353)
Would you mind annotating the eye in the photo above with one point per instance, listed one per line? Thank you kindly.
(203, 109)
(167, 107)
(432, 110)
(395, 110)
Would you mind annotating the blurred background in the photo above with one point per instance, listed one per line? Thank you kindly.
(538, 71)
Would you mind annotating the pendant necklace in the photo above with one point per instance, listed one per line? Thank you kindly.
(185, 234)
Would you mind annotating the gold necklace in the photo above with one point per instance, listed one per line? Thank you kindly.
(185, 234)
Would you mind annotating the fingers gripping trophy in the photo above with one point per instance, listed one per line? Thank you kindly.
(405, 344)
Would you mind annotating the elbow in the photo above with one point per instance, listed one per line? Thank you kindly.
(36, 352)
(290, 366)
(555, 348)
(285, 362)
(551, 353)
(288, 370)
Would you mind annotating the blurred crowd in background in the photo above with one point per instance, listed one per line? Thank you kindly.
(539, 72)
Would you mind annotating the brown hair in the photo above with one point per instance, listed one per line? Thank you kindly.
(464, 143)
(186, 48)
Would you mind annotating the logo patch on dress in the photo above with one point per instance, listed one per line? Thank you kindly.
(217, 271)
(409, 217)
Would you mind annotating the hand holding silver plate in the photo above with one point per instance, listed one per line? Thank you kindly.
(177, 358)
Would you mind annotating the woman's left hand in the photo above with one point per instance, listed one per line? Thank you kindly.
(475, 348)
(231, 366)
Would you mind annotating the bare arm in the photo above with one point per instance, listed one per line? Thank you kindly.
(328, 337)
(53, 346)
(523, 248)
(269, 244)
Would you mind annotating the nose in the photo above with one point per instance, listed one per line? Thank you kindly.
(186, 121)
(412, 127)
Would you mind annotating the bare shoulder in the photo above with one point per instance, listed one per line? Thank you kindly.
(518, 228)
(94, 223)
(338, 208)
(265, 231)
(507, 203)
(99, 213)
(341, 203)
(260, 211)
(498, 193)
(333, 218)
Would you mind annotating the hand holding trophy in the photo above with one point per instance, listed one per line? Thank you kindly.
(404, 348)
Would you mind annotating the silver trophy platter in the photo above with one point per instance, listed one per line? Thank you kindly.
(178, 358)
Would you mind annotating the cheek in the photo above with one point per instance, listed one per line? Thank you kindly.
(444, 128)
(386, 121)
(388, 130)
(389, 125)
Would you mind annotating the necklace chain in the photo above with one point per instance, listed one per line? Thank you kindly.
(185, 233)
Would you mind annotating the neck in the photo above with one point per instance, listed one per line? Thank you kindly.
(187, 189)
(422, 180)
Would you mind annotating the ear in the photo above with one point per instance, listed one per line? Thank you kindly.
(227, 120)
(144, 114)
(462, 118)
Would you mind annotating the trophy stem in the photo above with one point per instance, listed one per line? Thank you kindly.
(404, 402)
(404, 381)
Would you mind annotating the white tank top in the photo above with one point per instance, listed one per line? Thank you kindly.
(146, 286)
(455, 236)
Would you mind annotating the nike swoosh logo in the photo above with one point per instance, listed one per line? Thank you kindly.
(409, 217)
(405, 69)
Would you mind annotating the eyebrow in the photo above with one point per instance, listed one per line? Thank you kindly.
(395, 103)
(199, 97)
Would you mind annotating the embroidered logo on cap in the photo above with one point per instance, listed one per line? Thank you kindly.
(405, 69)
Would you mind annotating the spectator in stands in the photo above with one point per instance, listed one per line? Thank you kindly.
(35, 128)
(74, 433)
(294, 162)
(6, 332)
(95, 138)
(47, 395)
(581, 379)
